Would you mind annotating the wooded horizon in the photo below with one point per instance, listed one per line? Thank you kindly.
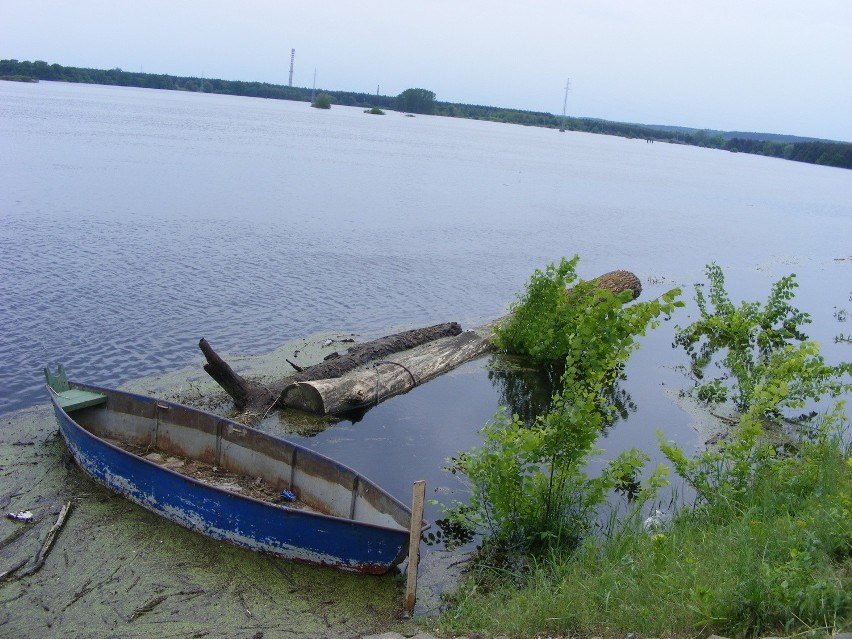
(422, 101)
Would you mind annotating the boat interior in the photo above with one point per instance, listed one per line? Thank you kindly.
(224, 453)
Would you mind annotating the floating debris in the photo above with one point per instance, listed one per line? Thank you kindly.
(24, 515)
(655, 522)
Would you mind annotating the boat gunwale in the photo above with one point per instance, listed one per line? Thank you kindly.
(311, 513)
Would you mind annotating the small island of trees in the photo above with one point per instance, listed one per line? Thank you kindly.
(322, 101)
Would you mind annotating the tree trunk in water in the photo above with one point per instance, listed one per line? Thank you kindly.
(618, 281)
(248, 394)
(243, 392)
(347, 382)
(367, 386)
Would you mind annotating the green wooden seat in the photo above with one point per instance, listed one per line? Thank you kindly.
(70, 398)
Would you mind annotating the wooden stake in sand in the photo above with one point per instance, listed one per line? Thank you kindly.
(418, 495)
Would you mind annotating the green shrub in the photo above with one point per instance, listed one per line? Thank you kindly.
(322, 101)
(529, 489)
(742, 340)
(766, 548)
(773, 559)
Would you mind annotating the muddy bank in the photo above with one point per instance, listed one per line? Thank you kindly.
(709, 426)
(119, 571)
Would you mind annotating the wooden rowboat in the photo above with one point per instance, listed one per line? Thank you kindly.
(229, 481)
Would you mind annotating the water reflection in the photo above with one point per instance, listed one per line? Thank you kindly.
(621, 401)
(528, 392)
(525, 390)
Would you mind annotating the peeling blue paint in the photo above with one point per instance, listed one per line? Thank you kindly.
(296, 534)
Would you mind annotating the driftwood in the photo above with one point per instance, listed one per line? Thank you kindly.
(45, 549)
(248, 394)
(366, 374)
(243, 392)
(367, 386)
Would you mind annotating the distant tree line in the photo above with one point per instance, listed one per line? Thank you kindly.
(838, 154)
(41, 70)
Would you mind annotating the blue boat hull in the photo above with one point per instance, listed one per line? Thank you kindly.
(297, 534)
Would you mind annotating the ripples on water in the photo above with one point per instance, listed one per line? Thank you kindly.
(135, 222)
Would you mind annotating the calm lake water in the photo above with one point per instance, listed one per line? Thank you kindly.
(134, 222)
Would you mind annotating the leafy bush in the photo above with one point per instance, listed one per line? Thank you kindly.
(769, 368)
(322, 101)
(529, 487)
(775, 561)
(746, 336)
(765, 549)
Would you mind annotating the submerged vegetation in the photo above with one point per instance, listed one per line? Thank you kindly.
(529, 486)
(760, 542)
(794, 148)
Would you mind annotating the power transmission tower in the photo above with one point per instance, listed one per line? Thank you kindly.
(565, 105)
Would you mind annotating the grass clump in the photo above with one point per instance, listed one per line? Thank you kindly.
(774, 559)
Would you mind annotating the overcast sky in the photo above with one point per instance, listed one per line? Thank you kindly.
(780, 66)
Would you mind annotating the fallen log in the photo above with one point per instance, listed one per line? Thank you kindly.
(367, 386)
(243, 392)
(363, 377)
(618, 281)
(372, 384)
(248, 394)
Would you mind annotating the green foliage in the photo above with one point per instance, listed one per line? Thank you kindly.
(44, 71)
(528, 484)
(774, 558)
(792, 376)
(746, 335)
(322, 101)
(18, 78)
(768, 368)
(767, 547)
(374, 111)
(559, 319)
(416, 101)
(529, 488)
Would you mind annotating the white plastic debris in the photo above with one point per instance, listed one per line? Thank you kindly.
(328, 342)
(24, 515)
(655, 522)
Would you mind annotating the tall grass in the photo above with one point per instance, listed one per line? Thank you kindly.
(776, 558)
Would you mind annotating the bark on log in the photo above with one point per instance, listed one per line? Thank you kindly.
(376, 349)
(372, 384)
(618, 281)
(243, 392)
(248, 394)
